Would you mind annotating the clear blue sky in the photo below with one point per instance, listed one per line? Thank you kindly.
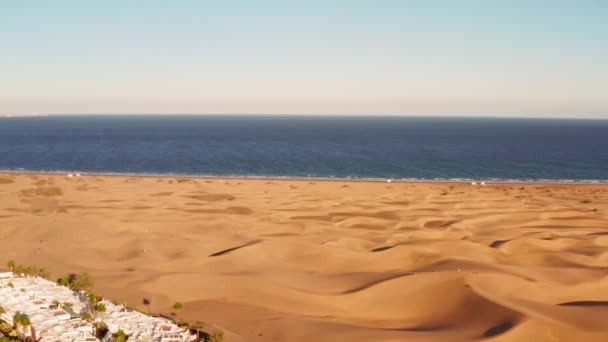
(544, 58)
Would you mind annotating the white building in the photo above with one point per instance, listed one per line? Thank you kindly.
(35, 296)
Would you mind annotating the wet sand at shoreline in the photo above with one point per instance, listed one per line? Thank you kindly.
(300, 260)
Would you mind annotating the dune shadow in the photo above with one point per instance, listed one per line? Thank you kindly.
(383, 248)
(229, 210)
(376, 282)
(585, 303)
(499, 329)
(211, 197)
(498, 243)
(232, 249)
(439, 224)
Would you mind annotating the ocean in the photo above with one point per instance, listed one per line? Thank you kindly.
(410, 148)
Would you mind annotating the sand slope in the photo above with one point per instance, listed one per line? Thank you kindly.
(270, 260)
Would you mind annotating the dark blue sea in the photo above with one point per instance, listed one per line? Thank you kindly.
(309, 146)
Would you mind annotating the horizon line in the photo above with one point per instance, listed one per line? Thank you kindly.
(496, 116)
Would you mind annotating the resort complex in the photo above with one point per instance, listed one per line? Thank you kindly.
(35, 309)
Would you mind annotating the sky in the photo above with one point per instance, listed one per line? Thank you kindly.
(375, 57)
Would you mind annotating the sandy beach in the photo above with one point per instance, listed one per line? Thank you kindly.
(300, 260)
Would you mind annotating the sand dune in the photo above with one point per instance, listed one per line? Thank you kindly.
(288, 260)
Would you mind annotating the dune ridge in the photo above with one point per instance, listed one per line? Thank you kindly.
(295, 260)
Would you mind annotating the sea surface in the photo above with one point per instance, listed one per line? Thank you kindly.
(412, 148)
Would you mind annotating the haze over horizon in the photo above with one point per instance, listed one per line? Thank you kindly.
(473, 58)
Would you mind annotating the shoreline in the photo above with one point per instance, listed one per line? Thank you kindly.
(466, 181)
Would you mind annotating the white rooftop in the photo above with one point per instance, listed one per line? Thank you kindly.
(34, 296)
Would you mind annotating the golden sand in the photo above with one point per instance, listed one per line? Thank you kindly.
(287, 260)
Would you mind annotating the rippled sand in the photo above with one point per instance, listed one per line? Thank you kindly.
(269, 260)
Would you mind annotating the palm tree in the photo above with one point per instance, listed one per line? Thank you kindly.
(30, 271)
(81, 281)
(11, 265)
(21, 320)
(177, 306)
(100, 307)
(147, 303)
(90, 297)
(93, 304)
(216, 336)
(101, 329)
(64, 282)
(19, 269)
(119, 336)
(44, 273)
(25, 323)
(16, 320)
(198, 327)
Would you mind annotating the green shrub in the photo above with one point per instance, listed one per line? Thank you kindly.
(216, 336)
(119, 336)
